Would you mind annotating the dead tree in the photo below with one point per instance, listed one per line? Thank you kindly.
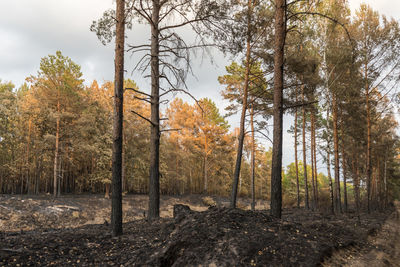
(166, 59)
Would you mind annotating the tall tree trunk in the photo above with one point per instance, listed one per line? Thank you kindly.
(296, 161)
(344, 180)
(56, 151)
(307, 205)
(344, 173)
(244, 107)
(315, 160)
(356, 181)
(60, 175)
(385, 184)
(336, 153)
(123, 171)
(28, 144)
(343, 162)
(154, 183)
(276, 170)
(378, 183)
(116, 201)
(328, 166)
(205, 173)
(253, 160)
(314, 199)
(369, 170)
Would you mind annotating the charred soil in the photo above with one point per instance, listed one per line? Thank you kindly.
(74, 232)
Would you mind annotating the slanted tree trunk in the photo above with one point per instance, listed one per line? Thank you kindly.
(276, 170)
(154, 182)
(307, 205)
(295, 155)
(244, 108)
(116, 203)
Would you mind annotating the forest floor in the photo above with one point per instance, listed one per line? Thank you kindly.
(75, 231)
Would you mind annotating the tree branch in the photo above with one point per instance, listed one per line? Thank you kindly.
(144, 118)
(300, 104)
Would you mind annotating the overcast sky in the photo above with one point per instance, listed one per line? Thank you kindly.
(32, 29)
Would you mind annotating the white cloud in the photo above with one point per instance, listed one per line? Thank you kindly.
(389, 8)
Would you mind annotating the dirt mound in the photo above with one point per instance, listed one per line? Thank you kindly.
(233, 237)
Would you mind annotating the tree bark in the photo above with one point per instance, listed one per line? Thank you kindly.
(336, 153)
(344, 167)
(328, 166)
(296, 161)
(244, 108)
(253, 160)
(276, 170)
(205, 164)
(307, 205)
(369, 171)
(385, 184)
(356, 181)
(116, 203)
(314, 203)
(154, 182)
(315, 161)
(56, 152)
(28, 143)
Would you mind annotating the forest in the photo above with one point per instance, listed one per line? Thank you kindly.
(331, 74)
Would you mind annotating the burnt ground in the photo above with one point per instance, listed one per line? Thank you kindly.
(74, 231)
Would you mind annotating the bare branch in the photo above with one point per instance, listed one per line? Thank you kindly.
(169, 130)
(144, 118)
(138, 91)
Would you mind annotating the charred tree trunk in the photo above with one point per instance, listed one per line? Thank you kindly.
(116, 203)
(276, 170)
(244, 107)
(253, 160)
(154, 182)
